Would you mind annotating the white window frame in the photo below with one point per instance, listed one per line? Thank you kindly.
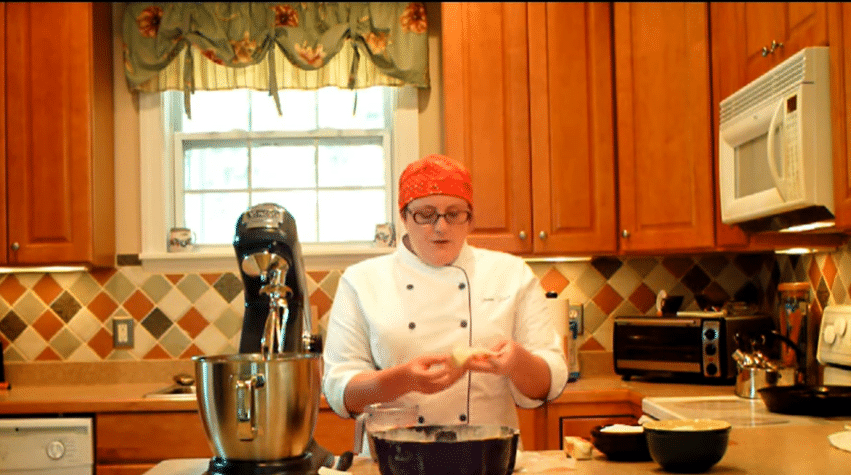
(157, 196)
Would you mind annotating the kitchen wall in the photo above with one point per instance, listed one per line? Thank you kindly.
(68, 316)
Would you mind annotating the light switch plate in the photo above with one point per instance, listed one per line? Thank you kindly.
(122, 333)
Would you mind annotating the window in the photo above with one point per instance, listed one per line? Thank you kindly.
(331, 164)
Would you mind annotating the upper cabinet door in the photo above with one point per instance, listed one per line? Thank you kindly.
(59, 146)
(749, 36)
(572, 128)
(486, 98)
(664, 129)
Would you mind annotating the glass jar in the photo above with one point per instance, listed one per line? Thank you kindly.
(794, 303)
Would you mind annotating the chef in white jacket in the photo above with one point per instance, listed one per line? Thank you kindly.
(396, 319)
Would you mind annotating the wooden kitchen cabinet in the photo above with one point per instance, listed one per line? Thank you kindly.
(58, 168)
(486, 97)
(840, 91)
(572, 128)
(664, 130)
(131, 443)
(578, 419)
(529, 111)
(741, 31)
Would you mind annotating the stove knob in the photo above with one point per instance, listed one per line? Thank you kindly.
(840, 324)
(829, 334)
(55, 449)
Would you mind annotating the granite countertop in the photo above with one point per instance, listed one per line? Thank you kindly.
(770, 450)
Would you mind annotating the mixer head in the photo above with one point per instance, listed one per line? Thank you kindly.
(268, 252)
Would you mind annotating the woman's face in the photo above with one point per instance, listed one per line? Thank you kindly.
(437, 244)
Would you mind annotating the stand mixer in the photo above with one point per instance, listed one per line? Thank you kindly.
(259, 407)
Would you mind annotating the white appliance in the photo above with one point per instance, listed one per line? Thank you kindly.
(774, 157)
(834, 346)
(42, 446)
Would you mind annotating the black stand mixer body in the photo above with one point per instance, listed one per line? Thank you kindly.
(266, 237)
(271, 228)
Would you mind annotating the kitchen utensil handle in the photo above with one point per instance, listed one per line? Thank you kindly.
(246, 409)
(360, 430)
(772, 166)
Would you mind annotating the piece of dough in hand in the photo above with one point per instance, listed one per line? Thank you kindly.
(462, 354)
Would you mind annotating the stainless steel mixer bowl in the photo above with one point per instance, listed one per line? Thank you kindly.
(256, 408)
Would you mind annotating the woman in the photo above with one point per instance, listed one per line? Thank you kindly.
(396, 319)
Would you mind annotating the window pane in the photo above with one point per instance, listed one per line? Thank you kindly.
(298, 109)
(213, 216)
(223, 168)
(217, 111)
(281, 166)
(300, 204)
(350, 215)
(336, 106)
(351, 165)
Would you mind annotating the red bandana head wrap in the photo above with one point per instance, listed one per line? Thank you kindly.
(434, 175)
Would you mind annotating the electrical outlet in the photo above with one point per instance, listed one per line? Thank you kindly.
(122, 332)
(577, 313)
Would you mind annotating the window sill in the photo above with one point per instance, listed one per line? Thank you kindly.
(319, 258)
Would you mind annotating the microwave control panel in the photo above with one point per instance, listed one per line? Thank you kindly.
(711, 329)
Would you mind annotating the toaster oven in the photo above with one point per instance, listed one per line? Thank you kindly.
(688, 345)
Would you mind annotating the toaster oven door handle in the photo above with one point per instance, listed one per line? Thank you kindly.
(669, 322)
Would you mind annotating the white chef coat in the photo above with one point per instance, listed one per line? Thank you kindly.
(392, 308)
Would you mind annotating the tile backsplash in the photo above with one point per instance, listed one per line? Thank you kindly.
(67, 317)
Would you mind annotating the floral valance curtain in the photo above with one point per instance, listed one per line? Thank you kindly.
(272, 46)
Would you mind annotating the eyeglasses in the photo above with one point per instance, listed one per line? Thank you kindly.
(430, 216)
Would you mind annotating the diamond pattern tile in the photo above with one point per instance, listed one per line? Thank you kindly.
(102, 306)
(157, 287)
(554, 281)
(29, 307)
(138, 305)
(65, 343)
(47, 289)
(66, 316)
(828, 270)
(606, 266)
(229, 286)
(85, 288)
(11, 289)
(157, 323)
(48, 324)
(12, 326)
(193, 323)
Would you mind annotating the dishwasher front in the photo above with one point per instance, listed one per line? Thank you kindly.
(41, 446)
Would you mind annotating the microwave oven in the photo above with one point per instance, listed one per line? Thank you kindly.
(691, 346)
(775, 168)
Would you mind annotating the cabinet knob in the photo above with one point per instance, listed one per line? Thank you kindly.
(542, 235)
(766, 50)
(15, 246)
(625, 233)
(522, 235)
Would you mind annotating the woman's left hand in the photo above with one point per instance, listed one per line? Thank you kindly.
(529, 373)
(506, 356)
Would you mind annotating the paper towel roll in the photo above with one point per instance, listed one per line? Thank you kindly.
(559, 309)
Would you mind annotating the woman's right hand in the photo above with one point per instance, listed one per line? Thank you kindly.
(429, 374)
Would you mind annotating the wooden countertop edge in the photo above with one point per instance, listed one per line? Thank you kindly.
(130, 397)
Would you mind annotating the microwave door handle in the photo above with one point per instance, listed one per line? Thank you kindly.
(772, 165)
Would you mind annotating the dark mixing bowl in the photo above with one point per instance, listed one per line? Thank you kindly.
(446, 450)
(621, 446)
(687, 446)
